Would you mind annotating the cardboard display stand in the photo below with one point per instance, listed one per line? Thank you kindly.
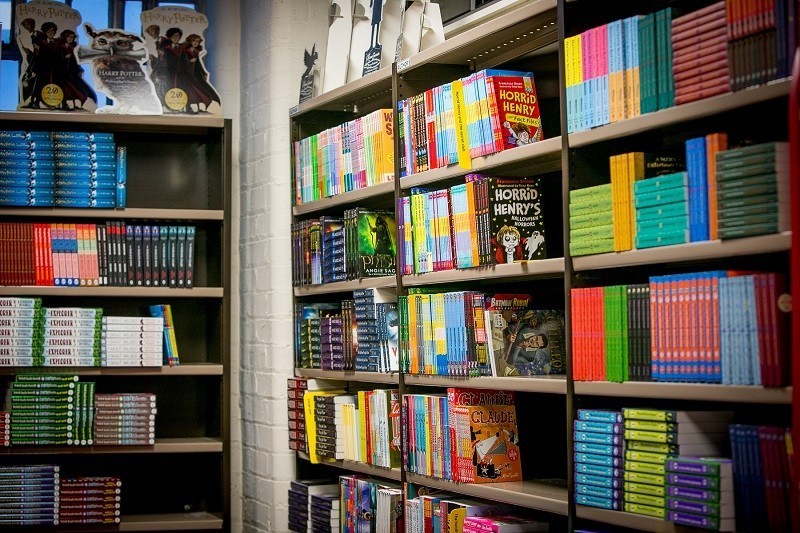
(432, 28)
(359, 40)
(390, 30)
(412, 29)
(339, 31)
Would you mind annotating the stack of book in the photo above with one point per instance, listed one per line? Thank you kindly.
(651, 436)
(359, 504)
(307, 332)
(125, 419)
(351, 156)
(331, 343)
(333, 249)
(30, 495)
(377, 322)
(390, 514)
(753, 190)
(588, 334)
(328, 419)
(296, 388)
(90, 500)
(762, 477)
(72, 336)
(700, 54)
(662, 210)
(300, 493)
(132, 341)
(325, 513)
(700, 492)
(598, 458)
(50, 410)
(27, 169)
(23, 331)
(764, 31)
(591, 222)
(86, 169)
(5, 428)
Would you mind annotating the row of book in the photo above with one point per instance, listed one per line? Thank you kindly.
(370, 506)
(484, 221)
(359, 334)
(467, 436)
(432, 511)
(715, 192)
(671, 465)
(483, 113)
(644, 63)
(38, 495)
(347, 157)
(711, 327)
(362, 244)
(62, 169)
(33, 335)
(61, 410)
(314, 505)
(90, 255)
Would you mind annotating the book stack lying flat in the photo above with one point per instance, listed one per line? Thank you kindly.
(90, 500)
(328, 418)
(700, 54)
(22, 323)
(598, 458)
(651, 437)
(300, 493)
(132, 341)
(29, 495)
(297, 389)
(753, 190)
(86, 169)
(662, 210)
(591, 222)
(331, 343)
(5, 428)
(324, 513)
(700, 492)
(72, 336)
(372, 307)
(44, 409)
(125, 419)
(27, 169)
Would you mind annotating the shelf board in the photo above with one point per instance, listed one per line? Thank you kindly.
(106, 121)
(548, 150)
(183, 445)
(686, 391)
(116, 292)
(114, 214)
(346, 286)
(345, 198)
(695, 251)
(493, 34)
(341, 375)
(355, 466)
(630, 520)
(681, 113)
(345, 97)
(185, 369)
(550, 496)
(546, 385)
(544, 268)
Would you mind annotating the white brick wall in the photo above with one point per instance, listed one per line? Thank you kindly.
(274, 34)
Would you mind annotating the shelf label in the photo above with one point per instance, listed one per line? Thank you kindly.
(294, 110)
(404, 64)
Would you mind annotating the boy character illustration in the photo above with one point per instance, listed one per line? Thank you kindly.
(518, 133)
(527, 351)
(27, 46)
(48, 65)
(508, 239)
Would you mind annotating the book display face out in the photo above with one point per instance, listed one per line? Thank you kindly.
(611, 294)
(113, 320)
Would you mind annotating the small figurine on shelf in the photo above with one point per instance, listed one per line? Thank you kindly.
(307, 79)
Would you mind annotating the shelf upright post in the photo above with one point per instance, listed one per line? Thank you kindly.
(225, 353)
(794, 272)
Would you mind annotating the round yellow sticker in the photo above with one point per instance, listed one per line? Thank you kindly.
(52, 95)
(176, 99)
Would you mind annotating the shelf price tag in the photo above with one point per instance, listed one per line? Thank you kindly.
(404, 64)
(294, 110)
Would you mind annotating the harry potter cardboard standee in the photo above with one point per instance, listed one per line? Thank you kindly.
(340, 29)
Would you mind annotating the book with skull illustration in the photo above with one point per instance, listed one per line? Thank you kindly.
(50, 77)
(515, 219)
(173, 38)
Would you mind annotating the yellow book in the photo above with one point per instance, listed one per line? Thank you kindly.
(413, 341)
(311, 425)
(439, 332)
(387, 150)
(362, 423)
(428, 435)
(636, 173)
(615, 203)
(460, 116)
(473, 224)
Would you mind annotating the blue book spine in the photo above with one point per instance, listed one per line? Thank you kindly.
(26, 191)
(19, 201)
(66, 155)
(86, 192)
(97, 137)
(122, 176)
(27, 183)
(605, 503)
(100, 203)
(82, 146)
(597, 470)
(598, 481)
(25, 173)
(598, 427)
(598, 438)
(602, 449)
(85, 183)
(724, 331)
(601, 460)
(599, 492)
(702, 172)
(24, 135)
(75, 164)
(597, 415)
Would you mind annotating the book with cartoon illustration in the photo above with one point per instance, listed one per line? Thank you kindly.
(484, 434)
(516, 219)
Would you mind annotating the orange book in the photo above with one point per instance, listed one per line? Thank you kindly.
(493, 453)
(715, 142)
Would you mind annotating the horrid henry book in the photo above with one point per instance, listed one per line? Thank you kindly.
(516, 219)
(517, 109)
(485, 437)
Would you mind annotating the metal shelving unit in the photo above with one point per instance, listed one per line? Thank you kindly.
(544, 385)
(686, 391)
(545, 268)
(115, 292)
(346, 286)
(341, 375)
(173, 445)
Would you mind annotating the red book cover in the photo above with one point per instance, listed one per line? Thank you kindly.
(518, 108)
(714, 64)
(30, 246)
(699, 50)
(577, 333)
(682, 27)
(38, 256)
(688, 41)
(18, 266)
(700, 14)
(600, 341)
(430, 129)
(715, 142)
(693, 78)
(778, 332)
(700, 94)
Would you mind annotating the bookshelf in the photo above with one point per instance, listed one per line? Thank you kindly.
(531, 37)
(178, 173)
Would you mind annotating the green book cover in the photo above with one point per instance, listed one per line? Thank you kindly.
(647, 64)
(590, 220)
(644, 488)
(590, 233)
(675, 209)
(646, 499)
(610, 325)
(660, 183)
(668, 196)
(665, 238)
(664, 224)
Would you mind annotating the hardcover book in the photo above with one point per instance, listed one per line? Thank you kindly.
(516, 219)
(377, 243)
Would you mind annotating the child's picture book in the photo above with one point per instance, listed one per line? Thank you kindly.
(484, 431)
(173, 38)
(516, 215)
(50, 76)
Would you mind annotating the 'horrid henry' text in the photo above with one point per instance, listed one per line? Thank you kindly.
(524, 202)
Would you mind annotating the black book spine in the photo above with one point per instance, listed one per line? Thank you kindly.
(139, 257)
(173, 256)
(155, 254)
(190, 237)
(147, 254)
(130, 248)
